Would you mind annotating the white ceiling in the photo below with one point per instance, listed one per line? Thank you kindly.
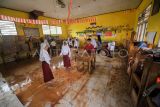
(87, 7)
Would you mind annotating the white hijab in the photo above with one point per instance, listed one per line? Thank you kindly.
(46, 41)
(76, 43)
(65, 49)
(94, 43)
(44, 56)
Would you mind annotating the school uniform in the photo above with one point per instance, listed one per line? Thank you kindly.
(45, 59)
(70, 42)
(89, 48)
(53, 47)
(65, 51)
(94, 43)
(76, 43)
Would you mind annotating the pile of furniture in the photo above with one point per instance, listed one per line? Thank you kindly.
(13, 48)
(143, 72)
(87, 60)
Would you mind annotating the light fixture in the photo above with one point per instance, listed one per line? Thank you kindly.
(61, 3)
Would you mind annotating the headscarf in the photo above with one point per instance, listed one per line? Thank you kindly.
(46, 42)
(43, 45)
(44, 56)
(65, 49)
(65, 42)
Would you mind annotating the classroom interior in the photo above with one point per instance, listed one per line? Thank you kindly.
(123, 70)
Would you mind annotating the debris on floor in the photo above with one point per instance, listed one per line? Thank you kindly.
(106, 87)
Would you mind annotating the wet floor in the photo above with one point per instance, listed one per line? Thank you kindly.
(107, 86)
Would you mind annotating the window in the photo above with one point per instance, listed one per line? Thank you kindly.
(51, 30)
(46, 29)
(7, 28)
(142, 23)
(59, 30)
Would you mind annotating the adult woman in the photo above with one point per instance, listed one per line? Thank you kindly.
(45, 59)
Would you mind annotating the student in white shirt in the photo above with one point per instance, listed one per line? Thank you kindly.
(46, 41)
(76, 43)
(70, 42)
(65, 51)
(53, 47)
(94, 43)
(45, 59)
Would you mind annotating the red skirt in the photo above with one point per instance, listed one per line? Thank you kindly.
(66, 61)
(47, 73)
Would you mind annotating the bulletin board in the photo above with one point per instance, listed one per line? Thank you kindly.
(34, 32)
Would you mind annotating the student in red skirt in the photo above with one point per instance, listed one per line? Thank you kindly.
(89, 47)
(65, 51)
(45, 59)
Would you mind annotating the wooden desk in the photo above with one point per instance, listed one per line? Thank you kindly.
(90, 60)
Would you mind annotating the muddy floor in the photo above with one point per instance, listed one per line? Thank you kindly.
(107, 86)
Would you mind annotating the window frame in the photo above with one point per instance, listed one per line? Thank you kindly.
(61, 30)
(9, 34)
(47, 29)
(51, 32)
(143, 23)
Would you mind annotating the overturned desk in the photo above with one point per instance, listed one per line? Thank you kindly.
(90, 60)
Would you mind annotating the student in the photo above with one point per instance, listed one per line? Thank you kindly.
(112, 46)
(99, 44)
(45, 59)
(49, 47)
(89, 47)
(46, 42)
(94, 43)
(76, 43)
(65, 51)
(73, 41)
(70, 42)
(53, 47)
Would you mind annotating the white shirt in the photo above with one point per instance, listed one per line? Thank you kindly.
(76, 43)
(69, 41)
(94, 43)
(53, 43)
(111, 46)
(44, 56)
(45, 41)
(65, 50)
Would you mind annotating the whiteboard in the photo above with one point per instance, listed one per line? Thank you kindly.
(31, 32)
(151, 37)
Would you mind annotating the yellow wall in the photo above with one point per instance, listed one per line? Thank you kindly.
(154, 21)
(105, 20)
(19, 26)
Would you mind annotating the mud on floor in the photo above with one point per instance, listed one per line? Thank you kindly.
(106, 87)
